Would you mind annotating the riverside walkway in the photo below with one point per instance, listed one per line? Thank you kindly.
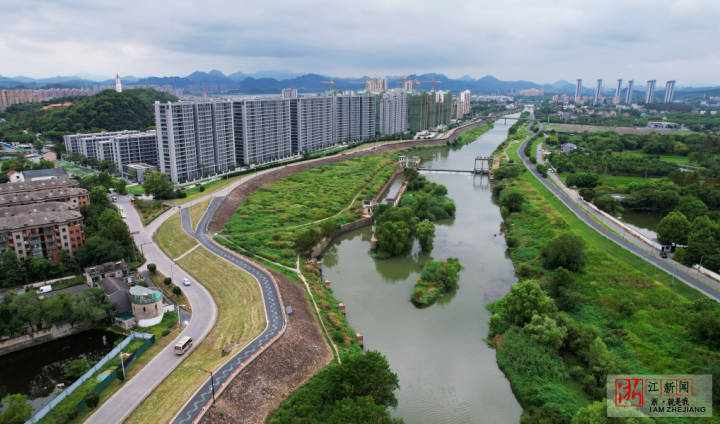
(193, 410)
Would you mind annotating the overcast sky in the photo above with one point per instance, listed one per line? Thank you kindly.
(538, 40)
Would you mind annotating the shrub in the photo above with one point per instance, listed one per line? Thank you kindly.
(152, 268)
(497, 325)
(167, 281)
(202, 188)
(76, 368)
(165, 332)
(546, 331)
(92, 399)
(176, 291)
(142, 283)
(512, 200)
(567, 251)
(526, 299)
(587, 194)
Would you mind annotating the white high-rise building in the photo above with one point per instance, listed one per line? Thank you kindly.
(618, 90)
(393, 112)
(463, 104)
(629, 94)
(289, 93)
(118, 84)
(598, 89)
(669, 91)
(195, 139)
(312, 123)
(262, 130)
(578, 90)
(354, 118)
(650, 92)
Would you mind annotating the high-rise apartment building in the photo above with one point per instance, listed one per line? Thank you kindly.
(669, 91)
(463, 104)
(428, 110)
(598, 89)
(392, 116)
(578, 90)
(650, 92)
(289, 93)
(618, 90)
(118, 147)
(118, 84)
(312, 120)
(195, 139)
(629, 94)
(354, 117)
(262, 130)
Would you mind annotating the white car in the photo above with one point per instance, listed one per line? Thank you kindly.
(186, 282)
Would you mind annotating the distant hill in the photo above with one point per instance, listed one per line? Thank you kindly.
(271, 82)
(108, 110)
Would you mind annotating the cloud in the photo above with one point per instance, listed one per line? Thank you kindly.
(542, 40)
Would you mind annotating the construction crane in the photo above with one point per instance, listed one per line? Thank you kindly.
(331, 82)
(416, 84)
(433, 81)
(367, 82)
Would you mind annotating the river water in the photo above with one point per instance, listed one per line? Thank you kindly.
(447, 372)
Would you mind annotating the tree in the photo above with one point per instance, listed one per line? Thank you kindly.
(360, 410)
(607, 203)
(120, 186)
(98, 250)
(524, 300)
(18, 410)
(546, 331)
(426, 234)
(152, 268)
(158, 184)
(673, 229)
(98, 197)
(76, 368)
(307, 240)
(12, 270)
(692, 207)
(512, 200)
(394, 237)
(567, 251)
(594, 413)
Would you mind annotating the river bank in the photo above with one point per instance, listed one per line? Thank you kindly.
(616, 314)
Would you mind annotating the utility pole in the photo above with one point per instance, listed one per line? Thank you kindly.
(122, 364)
(212, 383)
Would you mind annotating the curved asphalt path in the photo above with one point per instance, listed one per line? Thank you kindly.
(192, 411)
(682, 275)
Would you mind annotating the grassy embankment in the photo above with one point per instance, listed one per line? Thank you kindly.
(197, 211)
(172, 239)
(470, 135)
(164, 333)
(269, 221)
(149, 209)
(624, 315)
(158, 278)
(240, 319)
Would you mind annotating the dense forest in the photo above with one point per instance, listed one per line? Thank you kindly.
(108, 110)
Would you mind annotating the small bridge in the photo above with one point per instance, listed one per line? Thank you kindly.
(481, 166)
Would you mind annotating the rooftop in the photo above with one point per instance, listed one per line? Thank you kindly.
(11, 199)
(26, 216)
(45, 173)
(37, 185)
(106, 267)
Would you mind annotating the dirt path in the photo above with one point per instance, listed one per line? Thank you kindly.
(297, 356)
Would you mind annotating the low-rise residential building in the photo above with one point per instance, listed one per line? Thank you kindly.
(44, 174)
(27, 186)
(116, 269)
(568, 148)
(75, 196)
(41, 230)
(138, 171)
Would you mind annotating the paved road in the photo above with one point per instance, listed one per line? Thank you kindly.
(129, 396)
(688, 278)
(273, 313)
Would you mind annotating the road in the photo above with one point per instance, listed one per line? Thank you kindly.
(688, 278)
(275, 317)
(204, 314)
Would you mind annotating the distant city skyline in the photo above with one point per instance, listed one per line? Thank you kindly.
(660, 40)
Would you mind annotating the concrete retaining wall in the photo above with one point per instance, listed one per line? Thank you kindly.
(39, 337)
(350, 226)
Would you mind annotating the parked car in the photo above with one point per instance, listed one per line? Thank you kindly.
(186, 282)
(663, 254)
(44, 289)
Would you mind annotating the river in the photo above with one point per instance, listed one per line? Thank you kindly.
(37, 370)
(448, 374)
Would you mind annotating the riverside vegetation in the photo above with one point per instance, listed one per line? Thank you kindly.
(436, 279)
(585, 308)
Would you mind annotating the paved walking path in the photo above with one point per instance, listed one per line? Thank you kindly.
(691, 279)
(193, 410)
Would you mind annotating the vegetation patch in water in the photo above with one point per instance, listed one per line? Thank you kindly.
(436, 279)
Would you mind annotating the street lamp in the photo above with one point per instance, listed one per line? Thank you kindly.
(212, 382)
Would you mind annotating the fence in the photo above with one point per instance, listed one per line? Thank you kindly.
(91, 372)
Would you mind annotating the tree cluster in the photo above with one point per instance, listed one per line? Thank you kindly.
(357, 391)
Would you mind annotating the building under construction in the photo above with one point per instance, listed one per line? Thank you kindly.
(427, 110)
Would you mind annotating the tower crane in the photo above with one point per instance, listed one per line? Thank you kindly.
(331, 82)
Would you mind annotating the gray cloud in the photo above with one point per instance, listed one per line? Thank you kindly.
(542, 40)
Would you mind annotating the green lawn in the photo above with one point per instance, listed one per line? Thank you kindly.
(640, 312)
(680, 160)
(171, 237)
(149, 209)
(268, 222)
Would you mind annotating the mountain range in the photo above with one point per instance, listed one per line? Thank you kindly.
(271, 82)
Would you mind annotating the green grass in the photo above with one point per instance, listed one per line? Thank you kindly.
(615, 183)
(171, 237)
(240, 319)
(197, 211)
(680, 160)
(653, 338)
(268, 221)
(136, 190)
(149, 209)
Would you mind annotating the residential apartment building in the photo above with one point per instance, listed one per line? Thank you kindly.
(74, 196)
(428, 110)
(17, 96)
(463, 104)
(41, 230)
(262, 130)
(650, 91)
(392, 114)
(30, 186)
(195, 139)
(312, 123)
(118, 147)
(289, 93)
(354, 118)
